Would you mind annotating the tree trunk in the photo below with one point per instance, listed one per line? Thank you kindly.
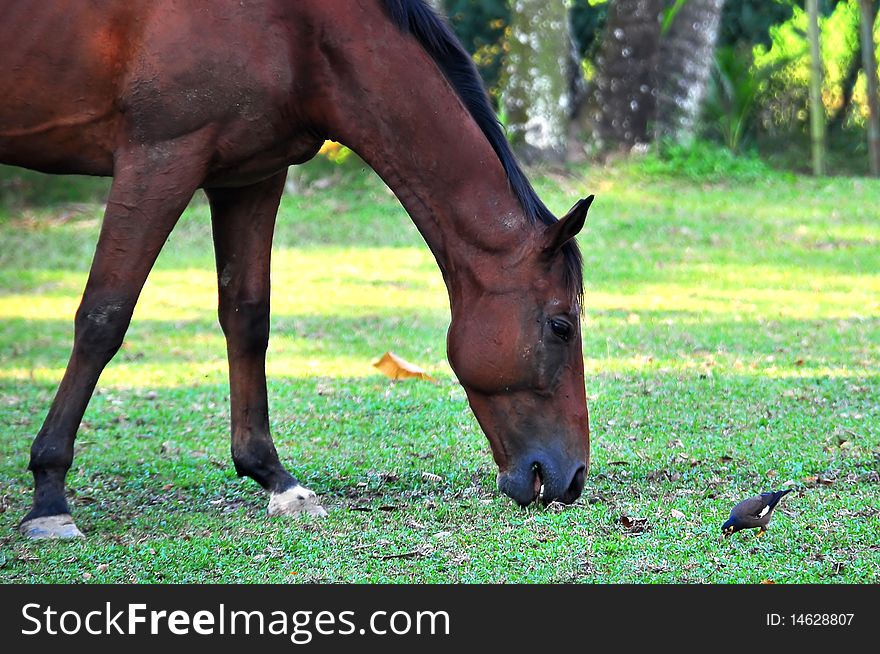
(624, 94)
(817, 107)
(536, 98)
(869, 59)
(848, 87)
(685, 62)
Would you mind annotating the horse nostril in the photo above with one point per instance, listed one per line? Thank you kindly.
(577, 483)
(538, 479)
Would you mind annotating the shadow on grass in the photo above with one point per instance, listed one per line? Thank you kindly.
(657, 338)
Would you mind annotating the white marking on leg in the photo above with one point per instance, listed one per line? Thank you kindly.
(53, 526)
(295, 501)
(226, 275)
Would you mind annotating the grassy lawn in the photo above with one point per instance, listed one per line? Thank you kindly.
(732, 344)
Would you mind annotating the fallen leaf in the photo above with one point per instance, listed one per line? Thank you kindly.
(87, 576)
(430, 476)
(394, 367)
(678, 515)
(767, 581)
(403, 555)
(102, 567)
(633, 525)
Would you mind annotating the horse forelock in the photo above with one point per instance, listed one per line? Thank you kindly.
(437, 38)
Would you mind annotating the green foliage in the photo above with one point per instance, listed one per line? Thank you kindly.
(783, 102)
(481, 25)
(704, 161)
(748, 22)
(733, 93)
(587, 20)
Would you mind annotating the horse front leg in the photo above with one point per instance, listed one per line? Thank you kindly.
(150, 190)
(243, 221)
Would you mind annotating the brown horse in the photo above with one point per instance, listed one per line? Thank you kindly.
(224, 95)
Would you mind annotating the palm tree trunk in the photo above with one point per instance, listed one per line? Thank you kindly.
(536, 98)
(870, 66)
(685, 61)
(624, 93)
(817, 107)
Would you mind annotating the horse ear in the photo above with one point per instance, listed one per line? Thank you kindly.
(567, 227)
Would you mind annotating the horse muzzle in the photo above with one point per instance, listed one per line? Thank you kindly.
(545, 480)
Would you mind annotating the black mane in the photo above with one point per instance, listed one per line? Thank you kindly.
(438, 40)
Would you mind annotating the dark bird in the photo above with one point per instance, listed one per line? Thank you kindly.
(752, 513)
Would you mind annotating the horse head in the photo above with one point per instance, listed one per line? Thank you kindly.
(517, 352)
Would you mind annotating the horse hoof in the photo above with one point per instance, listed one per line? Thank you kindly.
(53, 526)
(295, 501)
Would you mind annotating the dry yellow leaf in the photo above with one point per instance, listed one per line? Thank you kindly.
(394, 367)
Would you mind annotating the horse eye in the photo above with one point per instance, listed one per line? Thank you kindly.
(562, 328)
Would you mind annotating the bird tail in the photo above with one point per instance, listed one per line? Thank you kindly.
(778, 495)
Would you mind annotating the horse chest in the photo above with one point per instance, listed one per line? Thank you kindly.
(241, 167)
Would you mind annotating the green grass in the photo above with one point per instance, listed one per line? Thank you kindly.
(731, 340)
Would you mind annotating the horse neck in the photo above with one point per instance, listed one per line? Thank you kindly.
(389, 102)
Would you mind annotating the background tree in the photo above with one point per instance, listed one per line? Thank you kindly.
(536, 94)
(868, 16)
(687, 48)
(817, 108)
(623, 99)
(653, 69)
